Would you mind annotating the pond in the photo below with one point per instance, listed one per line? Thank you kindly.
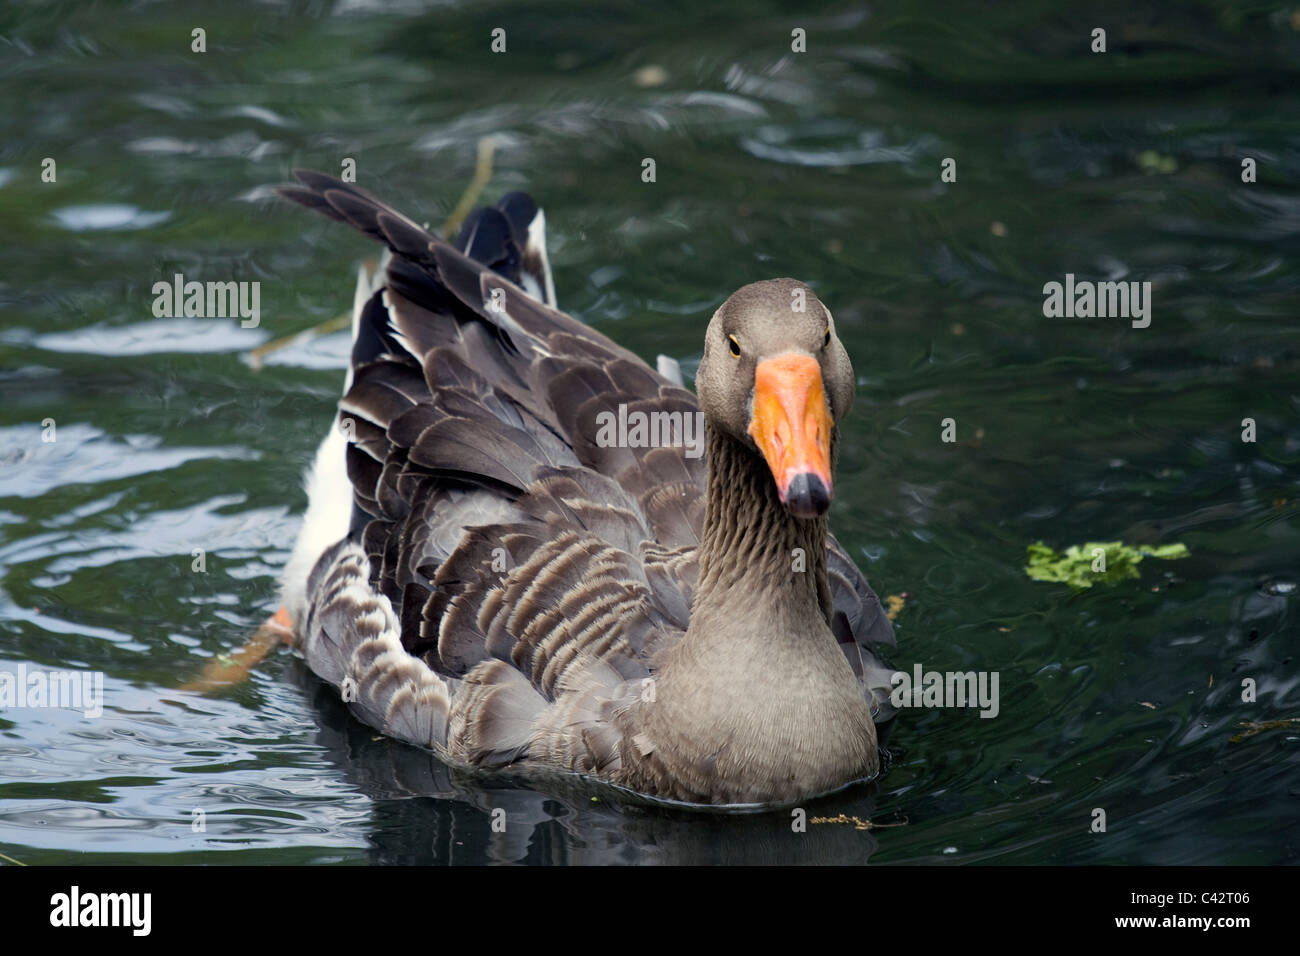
(928, 169)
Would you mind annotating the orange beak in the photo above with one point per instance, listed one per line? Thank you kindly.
(792, 427)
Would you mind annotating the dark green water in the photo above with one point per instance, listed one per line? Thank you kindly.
(822, 165)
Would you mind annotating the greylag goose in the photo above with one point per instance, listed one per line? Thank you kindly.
(491, 569)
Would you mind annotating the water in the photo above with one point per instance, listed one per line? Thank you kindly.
(822, 165)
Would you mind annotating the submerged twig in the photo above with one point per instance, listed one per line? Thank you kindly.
(1254, 727)
(338, 323)
(858, 822)
(482, 175)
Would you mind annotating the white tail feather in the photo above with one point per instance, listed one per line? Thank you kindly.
(329, 491)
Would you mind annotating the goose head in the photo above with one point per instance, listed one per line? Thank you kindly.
(775, 377)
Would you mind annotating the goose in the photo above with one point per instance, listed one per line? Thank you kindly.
(483, 573)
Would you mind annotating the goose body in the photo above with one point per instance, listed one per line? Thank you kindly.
(482, 573)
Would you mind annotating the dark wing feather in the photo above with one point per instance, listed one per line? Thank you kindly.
(860, 625)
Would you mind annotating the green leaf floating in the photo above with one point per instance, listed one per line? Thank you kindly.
(1075, 566)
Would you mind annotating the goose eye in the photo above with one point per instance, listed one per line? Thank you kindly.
(734, 345)
(826, 339)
